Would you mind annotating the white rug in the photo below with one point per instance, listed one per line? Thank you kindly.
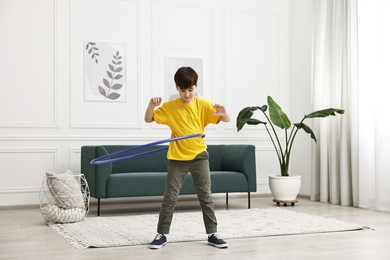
(141, 229)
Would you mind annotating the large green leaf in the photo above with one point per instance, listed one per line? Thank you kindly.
(254, 121)
(245, 117)
(263, 108)
(278, 117)
(325, 112)
(307, 129)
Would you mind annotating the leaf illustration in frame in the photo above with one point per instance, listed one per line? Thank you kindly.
(118, 76)
(113, 96)
(117, 86)
(102, 91)
(92, 50)
(106, 83)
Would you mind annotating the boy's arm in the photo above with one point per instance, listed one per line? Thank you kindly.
(222, 113)
(153, 103)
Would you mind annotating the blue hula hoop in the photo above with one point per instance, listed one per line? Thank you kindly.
(103, 159)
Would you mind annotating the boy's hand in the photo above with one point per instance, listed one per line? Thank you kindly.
(155, 101)
(222, 112)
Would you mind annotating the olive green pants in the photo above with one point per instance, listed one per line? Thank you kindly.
(200, 172)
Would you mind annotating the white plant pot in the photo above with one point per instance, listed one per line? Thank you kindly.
(285, 188)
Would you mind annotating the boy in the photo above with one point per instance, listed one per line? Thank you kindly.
(187, 115)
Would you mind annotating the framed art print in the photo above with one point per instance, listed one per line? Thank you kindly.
(104, 72)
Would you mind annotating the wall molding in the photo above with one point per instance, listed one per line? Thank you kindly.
(19, 190)
(138, 137)
(210, 7)
(72, 152)
(54, 123)
(274, 11)
(80, 125)
(28, 150)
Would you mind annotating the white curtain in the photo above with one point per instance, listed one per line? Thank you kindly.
(351, 70)
(334, 178)
(374, 99)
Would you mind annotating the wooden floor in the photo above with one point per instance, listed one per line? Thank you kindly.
(23, 235)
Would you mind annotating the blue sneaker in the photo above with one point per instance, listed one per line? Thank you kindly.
(159, 241)
(216, 241)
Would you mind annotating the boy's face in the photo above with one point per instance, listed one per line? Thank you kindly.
(187, 95)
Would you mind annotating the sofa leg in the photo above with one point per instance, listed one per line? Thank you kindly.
(227, 200)
(98, 209)
(249, 200)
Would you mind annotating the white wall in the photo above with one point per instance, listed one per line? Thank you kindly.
(44, 118)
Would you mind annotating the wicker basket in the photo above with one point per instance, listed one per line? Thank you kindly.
(64, 197)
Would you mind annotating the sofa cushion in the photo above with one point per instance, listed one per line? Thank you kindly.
(228, 181)
(221, 182)
(136, 184)
(153, 183)
(154, 162)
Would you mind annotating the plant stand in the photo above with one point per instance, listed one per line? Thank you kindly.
(285, 202)
(285, 188)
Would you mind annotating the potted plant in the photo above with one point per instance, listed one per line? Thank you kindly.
(277, 118)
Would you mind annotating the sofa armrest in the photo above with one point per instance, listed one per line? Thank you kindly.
(241, 158)
(96, 175)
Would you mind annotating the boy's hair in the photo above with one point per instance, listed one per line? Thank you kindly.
(186, 77)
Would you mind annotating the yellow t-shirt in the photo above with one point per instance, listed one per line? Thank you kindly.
(186, 119)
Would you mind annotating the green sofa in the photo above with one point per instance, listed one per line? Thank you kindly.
(233, 169)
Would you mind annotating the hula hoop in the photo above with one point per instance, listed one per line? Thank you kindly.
(103, 159)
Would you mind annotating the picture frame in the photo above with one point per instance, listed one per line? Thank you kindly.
(105, 72)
